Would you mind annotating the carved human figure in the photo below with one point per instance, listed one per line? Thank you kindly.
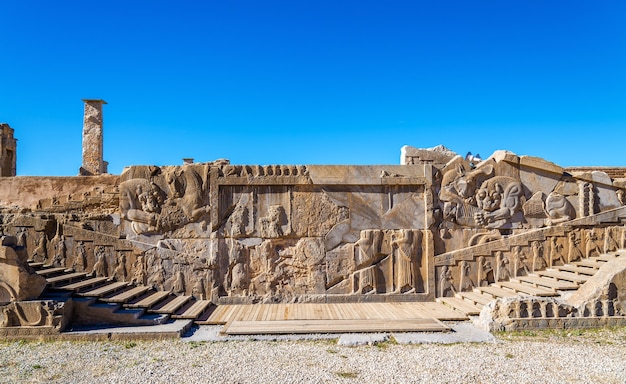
(539, 262)
(179, 283)
(271, 224)
(520, 267)
(502, 271)
(198, 291)
(238, 221)
(120, 272)
(591, 246)
(40, 254)
(21, 237)
(80, 258)
(59, 252)
(485, 269)
(237, 273)
(445, 282)
(609, 241)
(100, 266)
(364, 248)
(466, 283)
(555, 252)
(621, 196)
(404, 264)
(139, 275)
(573, 253)
(367, 280)
(156, 277)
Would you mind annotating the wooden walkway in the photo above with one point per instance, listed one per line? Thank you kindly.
(331, 318)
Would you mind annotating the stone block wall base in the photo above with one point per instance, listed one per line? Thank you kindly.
(29, 333)
(565, 323)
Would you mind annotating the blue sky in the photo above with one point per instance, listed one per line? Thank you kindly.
(313, 82)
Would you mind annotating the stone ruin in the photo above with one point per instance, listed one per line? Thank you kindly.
(437, 227)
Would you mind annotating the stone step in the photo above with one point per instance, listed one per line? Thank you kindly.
(461, 305)
(193, 311)
(66, 278)
(546, 282)
(527, 289)
(495, 292)
(106, 289)
(172, 305)
(576, 270)
(83, 284)
(558, 275)
(475, 297)
(125, 296)
(149, 300)
(50, 271)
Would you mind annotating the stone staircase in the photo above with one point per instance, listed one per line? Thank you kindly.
(555, 281)
(119, 302)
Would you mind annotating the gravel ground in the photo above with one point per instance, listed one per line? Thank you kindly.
(592, 356)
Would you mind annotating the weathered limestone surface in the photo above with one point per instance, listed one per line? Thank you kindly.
(17, 280)
(93, 162)
(432, 228)
(599, 301)
(8, 149)
(29, 192)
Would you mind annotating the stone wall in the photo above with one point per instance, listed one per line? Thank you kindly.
(277, 233)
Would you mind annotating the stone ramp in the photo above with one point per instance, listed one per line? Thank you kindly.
(549, 283)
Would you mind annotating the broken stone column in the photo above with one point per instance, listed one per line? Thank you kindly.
(8, 145)
(93, 163)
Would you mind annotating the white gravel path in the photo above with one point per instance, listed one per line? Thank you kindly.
(597, 356)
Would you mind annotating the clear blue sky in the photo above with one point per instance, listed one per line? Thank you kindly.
(313, 82)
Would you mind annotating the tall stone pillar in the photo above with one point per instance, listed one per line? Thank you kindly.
(8, 147)
(93, 162)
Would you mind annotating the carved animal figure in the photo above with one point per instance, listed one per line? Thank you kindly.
(558, 209)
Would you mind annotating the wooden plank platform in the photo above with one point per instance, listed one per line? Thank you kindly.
(577, 270)
(461, 305)
(50, 271)
(336, 326)
(547, 282)
(224, 314)
(125, 296)
(149, 301)
(105, 290)
(589, 263)
(36, 264)
(496, 292)
(84, 284)
(172, 305)
(527, 289)
(194, 310)
(579, 279)
(67, 277)
(475, 297)
(606, 257)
